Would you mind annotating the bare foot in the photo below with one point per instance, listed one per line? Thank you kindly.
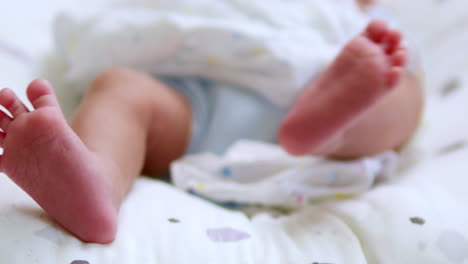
(363, 73)
(48, 160)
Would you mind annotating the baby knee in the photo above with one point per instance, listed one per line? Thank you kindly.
(114, 78)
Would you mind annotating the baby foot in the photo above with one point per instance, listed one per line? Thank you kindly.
(367, 68)
(48, 160)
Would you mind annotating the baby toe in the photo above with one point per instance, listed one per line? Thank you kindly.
(41, 94)
(399, 58)
(5, 121)
(377, 30)
(12, 103)
(394, 76)
(392, 41)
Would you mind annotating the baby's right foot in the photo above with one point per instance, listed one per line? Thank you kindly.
(48, 160)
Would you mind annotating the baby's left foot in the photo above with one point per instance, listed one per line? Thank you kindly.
(367, 68)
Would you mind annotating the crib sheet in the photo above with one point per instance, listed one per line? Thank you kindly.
(419, 217)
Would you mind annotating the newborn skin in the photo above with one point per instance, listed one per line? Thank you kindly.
(368, 68)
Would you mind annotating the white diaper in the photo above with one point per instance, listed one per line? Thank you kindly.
(251, 59)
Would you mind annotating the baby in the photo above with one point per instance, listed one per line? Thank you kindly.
(364, 103)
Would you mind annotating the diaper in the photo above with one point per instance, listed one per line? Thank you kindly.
(223, 114)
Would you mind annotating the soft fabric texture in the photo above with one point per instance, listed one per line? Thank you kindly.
(273, 47)
(255, 173)
(417, 217)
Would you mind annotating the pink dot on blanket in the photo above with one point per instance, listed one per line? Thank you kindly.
(226, 234)
(300, 199)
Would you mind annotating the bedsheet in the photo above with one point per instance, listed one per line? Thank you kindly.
(418, 217)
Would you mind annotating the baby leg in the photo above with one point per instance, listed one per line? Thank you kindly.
(361, 105)
(79, 174)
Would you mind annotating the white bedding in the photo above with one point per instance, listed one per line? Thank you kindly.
(417, 218)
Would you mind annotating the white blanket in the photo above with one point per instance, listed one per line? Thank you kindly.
(254, 174)
(270, 46)
(419, 217)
